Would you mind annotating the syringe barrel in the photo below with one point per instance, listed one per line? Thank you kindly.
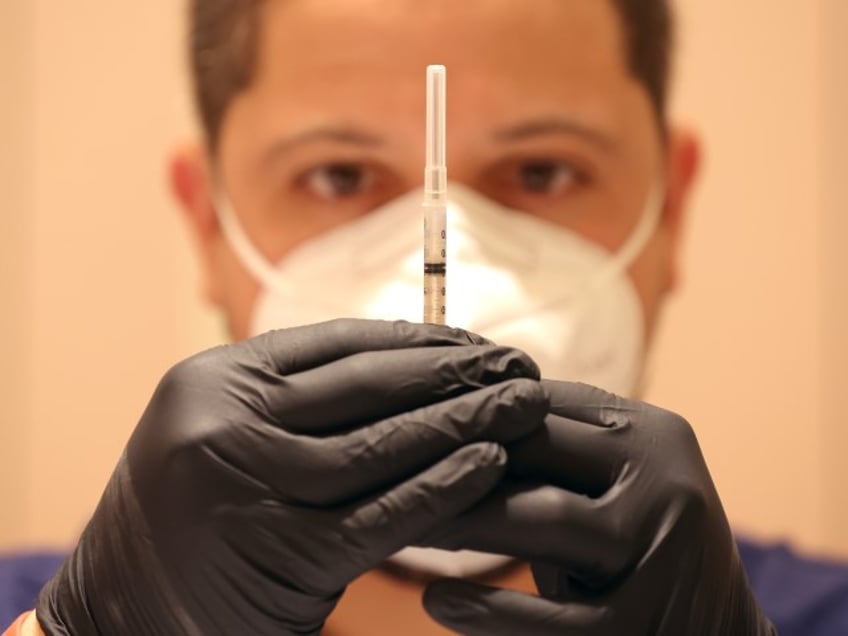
(435, 263)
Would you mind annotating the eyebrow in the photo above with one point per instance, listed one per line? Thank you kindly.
(554, 125)
(336, 134)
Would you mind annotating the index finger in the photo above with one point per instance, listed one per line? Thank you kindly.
(570, 454)
(296, 349)
(589, 404)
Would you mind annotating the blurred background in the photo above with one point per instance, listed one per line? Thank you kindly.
(100, 291)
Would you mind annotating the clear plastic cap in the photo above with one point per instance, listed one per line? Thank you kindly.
(435, 175)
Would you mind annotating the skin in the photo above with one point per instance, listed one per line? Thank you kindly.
(544, 116)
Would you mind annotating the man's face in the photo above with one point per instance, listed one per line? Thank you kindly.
(543, 116)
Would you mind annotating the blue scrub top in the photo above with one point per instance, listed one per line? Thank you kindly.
(802, 597)
(21, 578)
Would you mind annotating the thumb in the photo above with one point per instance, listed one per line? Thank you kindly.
(474, 609)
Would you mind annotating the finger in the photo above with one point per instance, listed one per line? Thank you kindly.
(373, 385)
(326, 549)
(470, 608)
(593, 539)
(573, 455)
(330, 471)
(291, 350)
(590, 404)
(397, 518)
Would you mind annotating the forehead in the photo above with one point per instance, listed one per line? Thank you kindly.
(396, 33)
(321, 54)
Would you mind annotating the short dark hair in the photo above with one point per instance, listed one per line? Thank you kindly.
(649, 30)
(224, 38)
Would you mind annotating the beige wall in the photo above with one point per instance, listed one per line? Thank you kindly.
(833, 132)
(753, 350)
(114, 291)
(16, 166)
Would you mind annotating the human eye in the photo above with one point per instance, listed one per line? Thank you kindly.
(336, 181)
(545, 177)
(534, 182)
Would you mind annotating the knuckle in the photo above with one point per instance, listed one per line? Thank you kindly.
(202, 365)
(674, 427)
(692, 497)
(505, 363)
(338, 331)
(470, 336)
(344, 328)
(618, 555)
(672, 421)
(529, 388)
(552, 498)
(517, 364)
(682, 432)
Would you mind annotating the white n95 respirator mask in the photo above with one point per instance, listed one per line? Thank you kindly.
(512, 277)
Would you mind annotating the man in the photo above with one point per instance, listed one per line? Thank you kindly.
(241, 506)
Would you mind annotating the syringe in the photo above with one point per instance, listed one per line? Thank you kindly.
(435, 201)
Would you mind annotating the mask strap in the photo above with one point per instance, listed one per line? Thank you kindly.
(635, 245)
(249, 256)
(638, 239)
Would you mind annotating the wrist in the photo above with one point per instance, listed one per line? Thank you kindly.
(30, 626)
(25, 625)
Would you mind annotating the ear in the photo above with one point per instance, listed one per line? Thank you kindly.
(683, 160)
(193, 187)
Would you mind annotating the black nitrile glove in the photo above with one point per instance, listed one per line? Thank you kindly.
(613, 504)
(265, 476)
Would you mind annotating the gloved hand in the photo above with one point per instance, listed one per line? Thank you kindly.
(613, 504)
(265, 476)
